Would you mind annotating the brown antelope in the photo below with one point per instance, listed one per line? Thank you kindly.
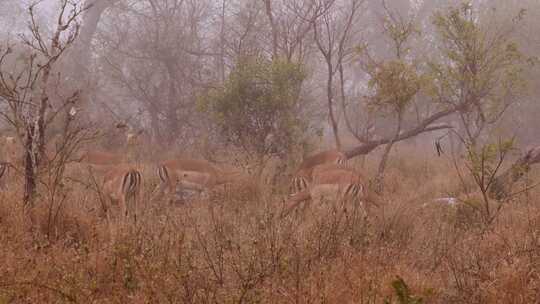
(134, 142)
(123, 184)
(333, 181)
(13, 153)
(192, 174)
(303, 175)
(99, 158)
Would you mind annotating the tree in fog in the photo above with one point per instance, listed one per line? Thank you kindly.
(485, 55)
(254, 110)
(28, 87)
(334, 34)
(160, 61)
(481, 71)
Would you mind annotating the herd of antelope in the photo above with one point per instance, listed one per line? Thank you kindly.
(319, 176)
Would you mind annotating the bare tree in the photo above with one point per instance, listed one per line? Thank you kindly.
(25, 89)
(163, 66)
(332, 34)
(290, 23)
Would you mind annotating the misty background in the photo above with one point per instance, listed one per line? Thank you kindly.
(156, 65)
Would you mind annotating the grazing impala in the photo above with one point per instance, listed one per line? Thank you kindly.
(303, 175)
(123, 184)
(333, 181)
(192, 174)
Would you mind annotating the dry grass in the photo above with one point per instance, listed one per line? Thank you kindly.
(234, 248)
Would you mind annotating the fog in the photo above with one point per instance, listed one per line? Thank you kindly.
(269, 151)
(150, 62)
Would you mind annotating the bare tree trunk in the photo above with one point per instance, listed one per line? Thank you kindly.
(82, 50)
(222, 43)
(273, 27)
(154, 124)
(172, 105)
(330, 100)
(35, 137)
(379, 180)
(29, 173)
(80, 56)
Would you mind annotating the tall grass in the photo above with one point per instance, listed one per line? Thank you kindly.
(234, 248)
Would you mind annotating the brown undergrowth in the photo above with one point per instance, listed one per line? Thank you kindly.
(234, 248)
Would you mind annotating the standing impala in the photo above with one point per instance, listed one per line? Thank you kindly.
(192, 174)
(333, 181)
(303, 175)
(123, 184)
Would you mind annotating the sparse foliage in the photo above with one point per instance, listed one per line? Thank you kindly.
(481, 71)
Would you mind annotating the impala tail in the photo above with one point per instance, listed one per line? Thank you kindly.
(4, 167)
(131, 184)
(298, 184)
(163, 174)
(354, 191)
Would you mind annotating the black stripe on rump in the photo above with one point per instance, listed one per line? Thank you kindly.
(353, 190)
(299, 184)
(3, 169)
(131, 182)
(163, 174)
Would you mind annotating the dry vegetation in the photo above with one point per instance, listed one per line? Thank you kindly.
(129, 89)
(236, 249)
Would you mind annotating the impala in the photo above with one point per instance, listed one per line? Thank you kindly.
(102, 158)
(99, 158)
(304, 173)
(123, 184)
(333, 181)
(192, 174)
(13, 153)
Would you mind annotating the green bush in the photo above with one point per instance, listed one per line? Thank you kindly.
(257, 108)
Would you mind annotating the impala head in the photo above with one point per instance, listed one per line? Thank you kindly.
(132, 136)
